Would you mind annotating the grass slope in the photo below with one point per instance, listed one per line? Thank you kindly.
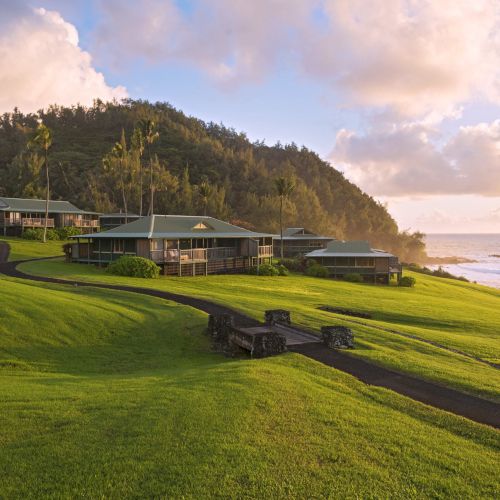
(107, 394)
(452, 313)
(26, 249)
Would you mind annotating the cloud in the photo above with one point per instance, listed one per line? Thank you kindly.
(413, 159)
(411, 56)
(232, 41)
(42, 64)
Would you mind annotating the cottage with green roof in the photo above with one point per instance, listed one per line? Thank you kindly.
(183, 245)
(298, 241)
(18, 214)
(348, 257)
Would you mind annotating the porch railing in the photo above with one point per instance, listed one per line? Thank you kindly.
(174, 255)
(37, 222)
(265, 251)
(221, 253)
(83, 223)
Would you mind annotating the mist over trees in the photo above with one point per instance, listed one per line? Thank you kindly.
(101, 160)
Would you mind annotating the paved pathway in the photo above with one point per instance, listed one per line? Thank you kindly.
(472, 407)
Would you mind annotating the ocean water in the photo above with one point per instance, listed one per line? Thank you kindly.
(479, 247)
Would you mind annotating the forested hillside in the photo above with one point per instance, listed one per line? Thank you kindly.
(196, 167)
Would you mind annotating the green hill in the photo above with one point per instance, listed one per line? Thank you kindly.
(108, 394)
(241, 173)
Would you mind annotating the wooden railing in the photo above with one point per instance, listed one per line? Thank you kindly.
(37, 222)
(174, 255)
(221, 253)
(265, 251)
(83, 223)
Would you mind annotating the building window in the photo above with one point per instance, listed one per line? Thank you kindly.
(118, 246)
(364, 262)
(156, 244)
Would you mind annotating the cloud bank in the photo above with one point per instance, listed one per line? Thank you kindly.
(41, 63)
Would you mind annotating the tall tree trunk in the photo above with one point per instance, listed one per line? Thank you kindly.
(151, 188)
(140, 186)
(124, 198)
(281, 227)
(47, 196)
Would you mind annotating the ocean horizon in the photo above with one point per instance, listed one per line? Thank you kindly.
(480, 247)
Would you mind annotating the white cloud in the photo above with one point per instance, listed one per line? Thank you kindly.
(412, 56)
(42, 64)
(413, 159)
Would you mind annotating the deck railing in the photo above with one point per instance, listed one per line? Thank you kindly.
(265, 251)
(221, 253)
(174, 255)
(36, 222)
(83, 223)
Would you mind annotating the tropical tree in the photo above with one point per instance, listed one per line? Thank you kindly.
(116, 163)
(136, 151)
(284, 188)
(150, 134)
(205, 190)
(42, 139)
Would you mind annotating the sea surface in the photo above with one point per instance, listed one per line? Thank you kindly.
(479, 247)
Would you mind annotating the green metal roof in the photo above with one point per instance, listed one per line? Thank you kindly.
(338, 248)
(38, 206)
(297, 233)
(176, 227)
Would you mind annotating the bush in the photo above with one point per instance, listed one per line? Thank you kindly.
(316, 270)
(269, 270)
(353, 278)
(62, 233)
(138, 267)
(407, 281)
(65, 232)
(282, 270)
(296, 265)
(37, 234)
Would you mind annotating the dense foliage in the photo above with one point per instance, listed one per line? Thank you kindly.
(407, 281)
(353, 278)
(138, 267)
(439, 272)
(269, 270)
(58, 234)
(191, 167)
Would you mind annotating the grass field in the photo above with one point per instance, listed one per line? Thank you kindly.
(455, 314)
(26, 249)
(110, 394)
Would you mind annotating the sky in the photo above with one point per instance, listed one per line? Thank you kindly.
(402, 96)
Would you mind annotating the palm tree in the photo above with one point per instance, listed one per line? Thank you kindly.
(118, 155)
(205, 191)
(151, 134)
(137, 149)
(284, 188)
(43, 140)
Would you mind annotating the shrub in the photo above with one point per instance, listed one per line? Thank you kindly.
(282, 270)
(269, 270)
(138, 267)
(316, 270)
(353, 278)
(407, 281)
(52, 234)
(296, 265)
(32, 234)
(65, 232)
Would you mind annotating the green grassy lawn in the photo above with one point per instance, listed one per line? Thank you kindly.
(110, 394)
(452, 313)
(26, 249)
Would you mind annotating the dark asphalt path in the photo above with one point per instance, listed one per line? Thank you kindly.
(468, 406)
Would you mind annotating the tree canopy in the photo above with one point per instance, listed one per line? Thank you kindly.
(184, 153)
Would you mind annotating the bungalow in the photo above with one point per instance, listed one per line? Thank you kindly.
(183, 245)
(346, 257)
(18, 214)
(110, 221)
(298, 241)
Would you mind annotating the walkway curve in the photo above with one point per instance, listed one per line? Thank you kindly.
(459, 403)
